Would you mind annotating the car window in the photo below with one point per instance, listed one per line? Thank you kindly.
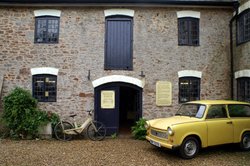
(201, 111)
(238, 110)
(216, 111)
(191, 110)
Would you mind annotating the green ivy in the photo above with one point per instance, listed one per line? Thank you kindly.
(53, 118)
(21, 115)
(114, 136)
(138, 130)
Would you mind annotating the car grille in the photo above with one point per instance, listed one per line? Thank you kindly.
(159, 134)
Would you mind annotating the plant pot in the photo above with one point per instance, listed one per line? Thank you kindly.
(45, 131)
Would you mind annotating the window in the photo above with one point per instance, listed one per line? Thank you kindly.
(237, 110)
(189, 89)
(44, 88)
(243, 89)
(216, 111)
(188, 31)
(47, 29)
(191, 110)
(243, 27)
(118, 43)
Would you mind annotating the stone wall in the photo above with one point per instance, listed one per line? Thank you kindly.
(81, 48)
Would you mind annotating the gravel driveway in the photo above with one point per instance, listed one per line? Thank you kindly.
(117, 152)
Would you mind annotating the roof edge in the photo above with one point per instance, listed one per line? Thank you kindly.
(116, 3)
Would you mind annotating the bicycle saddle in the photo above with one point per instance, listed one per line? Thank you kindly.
(73, 115)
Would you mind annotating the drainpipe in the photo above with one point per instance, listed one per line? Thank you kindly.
(236, 7)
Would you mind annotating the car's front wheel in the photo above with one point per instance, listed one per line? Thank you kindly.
(189, 148)
(245, 141)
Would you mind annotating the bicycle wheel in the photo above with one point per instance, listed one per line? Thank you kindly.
(59, 131)
(96, 131)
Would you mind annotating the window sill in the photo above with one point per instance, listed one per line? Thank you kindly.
(238, 44)
(189, 45)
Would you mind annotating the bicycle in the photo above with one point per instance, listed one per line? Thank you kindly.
(64, 130)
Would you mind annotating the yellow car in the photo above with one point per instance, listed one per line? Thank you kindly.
(200, 124)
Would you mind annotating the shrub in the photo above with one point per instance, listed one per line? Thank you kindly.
(138, 130)
(21, 115)
(53, 118)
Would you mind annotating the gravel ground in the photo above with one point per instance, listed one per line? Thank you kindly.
(117, 152)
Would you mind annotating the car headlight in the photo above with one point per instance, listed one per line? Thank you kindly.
(147, 125)
(170, 131)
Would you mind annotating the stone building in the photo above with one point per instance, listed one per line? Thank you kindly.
(125, 59)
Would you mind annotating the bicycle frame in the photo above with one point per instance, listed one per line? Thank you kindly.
(77, 130)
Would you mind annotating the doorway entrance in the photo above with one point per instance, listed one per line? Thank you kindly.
(128, 109)
(118, 105)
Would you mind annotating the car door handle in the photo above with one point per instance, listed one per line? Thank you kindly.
(230, 122)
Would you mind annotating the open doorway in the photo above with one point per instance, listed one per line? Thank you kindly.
(126, 108)
(128, 111)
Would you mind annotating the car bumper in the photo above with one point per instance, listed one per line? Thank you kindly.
(160, 143)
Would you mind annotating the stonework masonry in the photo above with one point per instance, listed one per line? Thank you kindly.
(81, 48)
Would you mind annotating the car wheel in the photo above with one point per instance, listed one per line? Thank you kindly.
(245, 141)
(189, 148)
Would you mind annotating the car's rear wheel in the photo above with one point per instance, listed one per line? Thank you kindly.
(189, 148)
(245, 141)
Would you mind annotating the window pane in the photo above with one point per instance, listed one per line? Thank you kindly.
(51, 88)
(41, 31)
(47, 29)
(188, 31)
(239, 110)
(38, 88)
(44, 88)
(243, 89)
(184, 90)
(183, 32)
(247, 26)
(194, 32)
(194, 89)
(243, 27)
(53, 30)
(216, 111)
(189, 89)
(191, 110)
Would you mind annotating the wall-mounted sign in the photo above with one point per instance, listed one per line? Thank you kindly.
(107, 99)
(163, 93)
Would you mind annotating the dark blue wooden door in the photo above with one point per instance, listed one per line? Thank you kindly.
(118, 43)
(107, 116)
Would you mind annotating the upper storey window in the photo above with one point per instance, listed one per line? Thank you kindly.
(47, 23)
(188, 31)
(47, 29)
(243, 27)
(188, 28)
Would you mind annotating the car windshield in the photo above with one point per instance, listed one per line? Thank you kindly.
(191, 110)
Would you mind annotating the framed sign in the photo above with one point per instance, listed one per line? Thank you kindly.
(107, 99)
(163, 93)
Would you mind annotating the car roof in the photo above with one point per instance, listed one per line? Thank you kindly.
(207, 102)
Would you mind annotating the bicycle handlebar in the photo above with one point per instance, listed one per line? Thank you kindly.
(90, 112)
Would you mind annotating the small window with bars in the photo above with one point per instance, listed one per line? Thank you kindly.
(188, 31)
(243, 27)
(47, 29)
(44, 88)
(243, 89)
(189, 89)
